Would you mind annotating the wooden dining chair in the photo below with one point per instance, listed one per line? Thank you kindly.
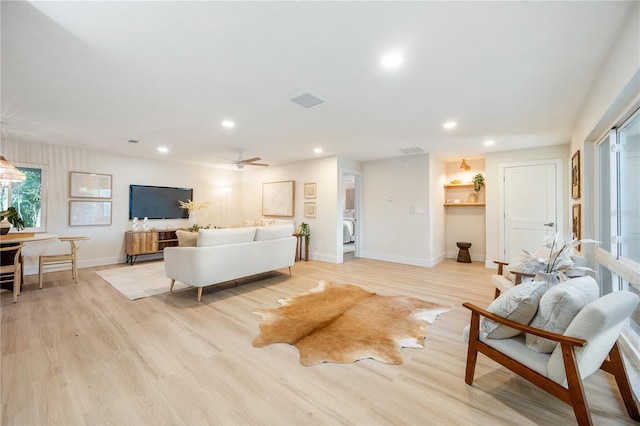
(12, 272)
(57, 259)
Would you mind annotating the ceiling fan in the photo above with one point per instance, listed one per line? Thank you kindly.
(240, 163)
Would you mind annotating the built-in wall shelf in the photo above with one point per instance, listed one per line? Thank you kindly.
(461, 192)
(460, 185)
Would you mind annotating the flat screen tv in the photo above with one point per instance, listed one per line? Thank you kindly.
(158, 202)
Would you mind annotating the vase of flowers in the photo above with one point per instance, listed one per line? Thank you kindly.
(558, 261)
(192, 208)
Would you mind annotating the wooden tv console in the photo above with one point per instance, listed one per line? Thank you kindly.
(148, 242)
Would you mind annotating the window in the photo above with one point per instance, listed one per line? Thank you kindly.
(26, 197)
(618, 214)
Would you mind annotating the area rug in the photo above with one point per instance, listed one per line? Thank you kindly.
(140, 281)
(345, 323)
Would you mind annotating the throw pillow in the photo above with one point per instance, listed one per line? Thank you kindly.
(519, 304)
(218, 237)
(253, 222)
(186, 238)
(273, 232)
(558, 307)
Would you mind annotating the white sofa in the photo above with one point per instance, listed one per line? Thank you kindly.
(227, 254)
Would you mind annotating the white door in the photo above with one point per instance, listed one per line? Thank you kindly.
(532, 204)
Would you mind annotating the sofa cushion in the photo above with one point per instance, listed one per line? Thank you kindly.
(187, 238)
(264, 233)
(557, 308)
(519, 304)
(218, 237)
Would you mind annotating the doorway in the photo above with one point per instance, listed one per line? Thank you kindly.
(531, 199)
(349, 216)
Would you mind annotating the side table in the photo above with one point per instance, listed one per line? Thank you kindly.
(302, 245)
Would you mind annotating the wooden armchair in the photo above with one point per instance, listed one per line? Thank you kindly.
(502, 283)
(583, 349)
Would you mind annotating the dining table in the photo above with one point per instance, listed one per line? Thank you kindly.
(15, 239)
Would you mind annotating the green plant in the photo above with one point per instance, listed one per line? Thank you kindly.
(478, 182)
(13, 217)
(304, 229)
(196, 228)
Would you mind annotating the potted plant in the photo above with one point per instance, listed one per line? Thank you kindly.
(11, 216)
(478, 182)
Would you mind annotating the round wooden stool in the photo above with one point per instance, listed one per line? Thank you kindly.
(463, 254)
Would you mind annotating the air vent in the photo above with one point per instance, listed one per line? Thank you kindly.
(411, 150)
(307, 99)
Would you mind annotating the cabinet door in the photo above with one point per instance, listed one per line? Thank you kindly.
(139, 243)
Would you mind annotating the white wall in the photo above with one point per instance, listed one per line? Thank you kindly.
(324, 172)
(615, 94)
(492, 162)
(466, 223)
(391, 232)
(106, 245)
(437, 232)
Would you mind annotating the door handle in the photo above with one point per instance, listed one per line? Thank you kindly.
(549, 224)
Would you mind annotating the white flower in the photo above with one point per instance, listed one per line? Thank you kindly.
(560, 251)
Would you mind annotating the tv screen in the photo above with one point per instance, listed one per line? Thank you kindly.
(158, 202)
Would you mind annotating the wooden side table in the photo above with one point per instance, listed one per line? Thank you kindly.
(302, 245)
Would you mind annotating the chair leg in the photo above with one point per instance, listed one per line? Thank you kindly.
(74, 270)
(173, 281)
(615, 367)
(472, 351)
(16, 286)
(574, 384)
(199, 294)
(40, 271)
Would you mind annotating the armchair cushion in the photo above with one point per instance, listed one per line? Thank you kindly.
(557, 308)
(519, 304)
(600, 323)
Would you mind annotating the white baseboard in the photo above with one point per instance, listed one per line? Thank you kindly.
(403, 259)
(474, 257)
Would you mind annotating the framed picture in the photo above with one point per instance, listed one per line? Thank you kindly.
(576, 228)
(309, 190)
(89, 185)
(278, 198)
(89, 213)
(310, 209)
(575, 175)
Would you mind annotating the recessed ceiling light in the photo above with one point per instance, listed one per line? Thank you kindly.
(449, 124)
(317, 150)
(163, 149)
(489, 142)
(392, 60)
(228, 124)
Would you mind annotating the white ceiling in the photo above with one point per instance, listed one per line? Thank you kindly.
(96, 74)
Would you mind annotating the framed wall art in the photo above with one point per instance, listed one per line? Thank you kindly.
(309, 190)
(576, 227)
(89, 213)
(278, 198)
(89, 185)
(575, 175)
(310, 209)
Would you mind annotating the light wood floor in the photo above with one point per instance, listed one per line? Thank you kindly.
(85, 354)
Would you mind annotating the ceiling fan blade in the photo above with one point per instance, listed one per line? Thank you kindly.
(256, 164)
(251, 160)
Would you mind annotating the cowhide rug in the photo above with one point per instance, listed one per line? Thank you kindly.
(344, 323)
